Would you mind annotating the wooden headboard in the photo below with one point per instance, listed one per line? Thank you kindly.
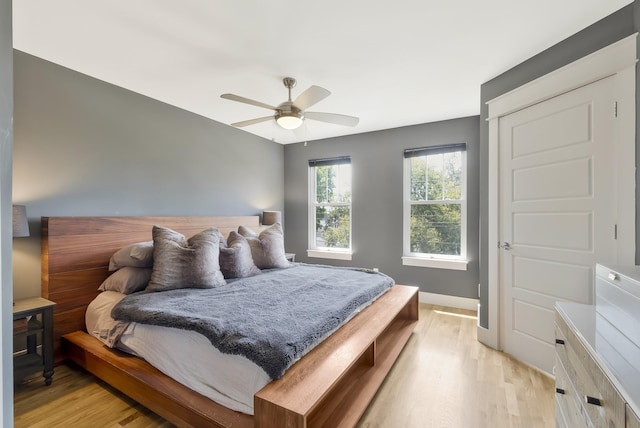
(76, 253)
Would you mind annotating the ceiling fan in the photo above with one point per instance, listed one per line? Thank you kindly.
(291, 114)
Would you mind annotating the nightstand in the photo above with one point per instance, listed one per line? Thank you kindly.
(290, 256)
(38, 313)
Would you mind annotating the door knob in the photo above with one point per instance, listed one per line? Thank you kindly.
(505, 245)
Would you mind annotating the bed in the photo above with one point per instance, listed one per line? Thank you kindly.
(330, 386)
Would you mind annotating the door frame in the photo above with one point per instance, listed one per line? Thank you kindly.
(617, 59)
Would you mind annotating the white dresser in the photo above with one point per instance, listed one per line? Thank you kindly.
(598, 354)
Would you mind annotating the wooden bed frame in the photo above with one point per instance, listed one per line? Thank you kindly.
(331, 386)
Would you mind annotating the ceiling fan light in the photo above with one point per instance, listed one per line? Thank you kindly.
(289, 121)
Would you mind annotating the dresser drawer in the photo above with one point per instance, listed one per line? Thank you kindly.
(561, 420)
(562, 344)
(568, 407)
(632, 419)
(603, 405)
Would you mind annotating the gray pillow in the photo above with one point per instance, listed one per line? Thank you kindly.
(267, 248)
(182, 263)
(139, 254)
(127, 280)
(236, 260)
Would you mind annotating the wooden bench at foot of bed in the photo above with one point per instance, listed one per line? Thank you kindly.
(329, 387)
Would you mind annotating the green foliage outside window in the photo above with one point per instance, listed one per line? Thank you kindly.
(435, 194)
(333, 197)
(332, 227)
(435, 229)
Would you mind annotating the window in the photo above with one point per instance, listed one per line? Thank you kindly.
(435, 207)
(330, 208)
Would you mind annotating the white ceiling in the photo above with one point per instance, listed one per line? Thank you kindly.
(390, 63)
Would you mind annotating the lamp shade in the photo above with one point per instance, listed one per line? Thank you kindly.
(20, 221)
(271, 217)
(289, 121)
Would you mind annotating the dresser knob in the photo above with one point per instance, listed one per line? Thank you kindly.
(613, 276)
(560, 341)
(592, 400)
(560, 390)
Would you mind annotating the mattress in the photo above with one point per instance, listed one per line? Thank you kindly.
(186, 356)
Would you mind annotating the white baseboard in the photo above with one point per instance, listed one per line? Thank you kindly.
(450, 301)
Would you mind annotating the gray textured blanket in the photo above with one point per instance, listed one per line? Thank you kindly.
(272, 319)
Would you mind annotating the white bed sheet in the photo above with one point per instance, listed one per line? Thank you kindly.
(186, 356)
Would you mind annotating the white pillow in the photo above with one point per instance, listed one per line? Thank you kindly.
(139, 254)
(127, 280)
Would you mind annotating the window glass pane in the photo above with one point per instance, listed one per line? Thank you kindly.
(343, 174)
(323, 183)
(418, 178)
(434, 174)
(452, 175)
(333, 183)
(332, 227)
(435, 229)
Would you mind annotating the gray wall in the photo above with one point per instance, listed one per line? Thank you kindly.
(6, 143)
(599, 35)
(377, 177)
(85, 147)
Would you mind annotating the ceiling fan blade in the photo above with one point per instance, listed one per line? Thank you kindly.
(240, 99)
(251, 121)
(338, 119)
(311, 96)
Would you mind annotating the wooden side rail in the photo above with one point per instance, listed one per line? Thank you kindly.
(147, 385)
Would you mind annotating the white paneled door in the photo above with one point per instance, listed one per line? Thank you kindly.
(557, 212)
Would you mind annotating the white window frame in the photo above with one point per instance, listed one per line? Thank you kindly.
(439, 261)
(326, 252)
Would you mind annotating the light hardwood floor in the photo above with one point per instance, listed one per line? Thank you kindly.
(443, 378)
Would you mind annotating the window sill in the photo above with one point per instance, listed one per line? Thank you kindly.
(336, 255)
(452, 264)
